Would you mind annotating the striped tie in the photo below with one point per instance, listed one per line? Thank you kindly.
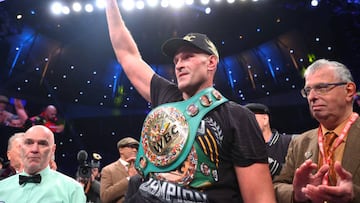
(329, 140)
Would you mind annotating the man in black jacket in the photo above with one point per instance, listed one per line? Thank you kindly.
(276, 144)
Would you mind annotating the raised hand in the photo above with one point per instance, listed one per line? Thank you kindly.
(303, 177)
(342, 192)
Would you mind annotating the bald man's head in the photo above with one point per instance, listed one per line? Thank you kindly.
(50, 113)
(37, 149)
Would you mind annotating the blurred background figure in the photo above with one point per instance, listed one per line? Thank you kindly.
(14, 165)
(356, 104)
(91, 188)
(95, 166)
(48, 117)
(87, 174)
(53, 164)
(2, 162)
(276, 144)
(8, 118)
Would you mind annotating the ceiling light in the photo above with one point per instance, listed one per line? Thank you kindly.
(100, 3)
(152, 3)
(56, 8)
(314, 3)
(65, 10)
(176, 3)
(189, 2)
(89, 8)
(76, 6)
(208, 10)
(128, 5)
(205, 2)
(164, 3)
(140, 5)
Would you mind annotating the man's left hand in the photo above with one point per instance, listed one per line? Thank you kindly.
(342, 192)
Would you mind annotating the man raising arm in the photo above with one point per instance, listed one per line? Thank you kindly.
(126, 51)
(225, 159)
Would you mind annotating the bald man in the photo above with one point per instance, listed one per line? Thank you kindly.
(38, 183)
(48, 118)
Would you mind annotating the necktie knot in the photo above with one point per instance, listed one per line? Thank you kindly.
(29, 179)
(329, 139)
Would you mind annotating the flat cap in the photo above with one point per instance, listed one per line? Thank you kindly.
(258, 108)
(127, 141)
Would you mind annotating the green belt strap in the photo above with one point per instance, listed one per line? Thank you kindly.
(192, 120)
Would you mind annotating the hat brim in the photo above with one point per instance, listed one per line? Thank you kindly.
(259, 111)
(134, 145)
(171, 46)
(258, 108)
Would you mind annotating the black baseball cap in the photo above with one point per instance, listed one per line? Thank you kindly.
(258, 108)
(197, 40)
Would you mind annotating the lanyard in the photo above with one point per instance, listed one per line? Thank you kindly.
(338, 141)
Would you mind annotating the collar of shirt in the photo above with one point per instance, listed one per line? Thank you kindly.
(43, 172)
(338, 129)
(123, 162)
(274, 137)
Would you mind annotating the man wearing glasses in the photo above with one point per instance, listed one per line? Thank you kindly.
(322, 164)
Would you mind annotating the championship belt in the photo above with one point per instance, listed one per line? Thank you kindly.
(168, 135)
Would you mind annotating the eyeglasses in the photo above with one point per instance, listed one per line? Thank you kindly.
(321, 88)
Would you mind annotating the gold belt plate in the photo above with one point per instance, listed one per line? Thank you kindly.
(164, 135)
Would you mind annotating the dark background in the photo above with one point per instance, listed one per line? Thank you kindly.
(68, 61)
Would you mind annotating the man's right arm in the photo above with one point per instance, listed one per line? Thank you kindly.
(20, 110)
(126, 51)
(252, 177)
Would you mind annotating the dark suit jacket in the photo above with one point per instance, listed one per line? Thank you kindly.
(93, 195)
(113, 183)
(306, 146)
(7, 171)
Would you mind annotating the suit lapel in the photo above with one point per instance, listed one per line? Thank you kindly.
(121, 168)
(313, 148)
(351, 158)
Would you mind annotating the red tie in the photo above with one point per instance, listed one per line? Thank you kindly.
(329, 140)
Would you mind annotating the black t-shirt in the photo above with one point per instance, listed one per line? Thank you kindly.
(238, 139)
